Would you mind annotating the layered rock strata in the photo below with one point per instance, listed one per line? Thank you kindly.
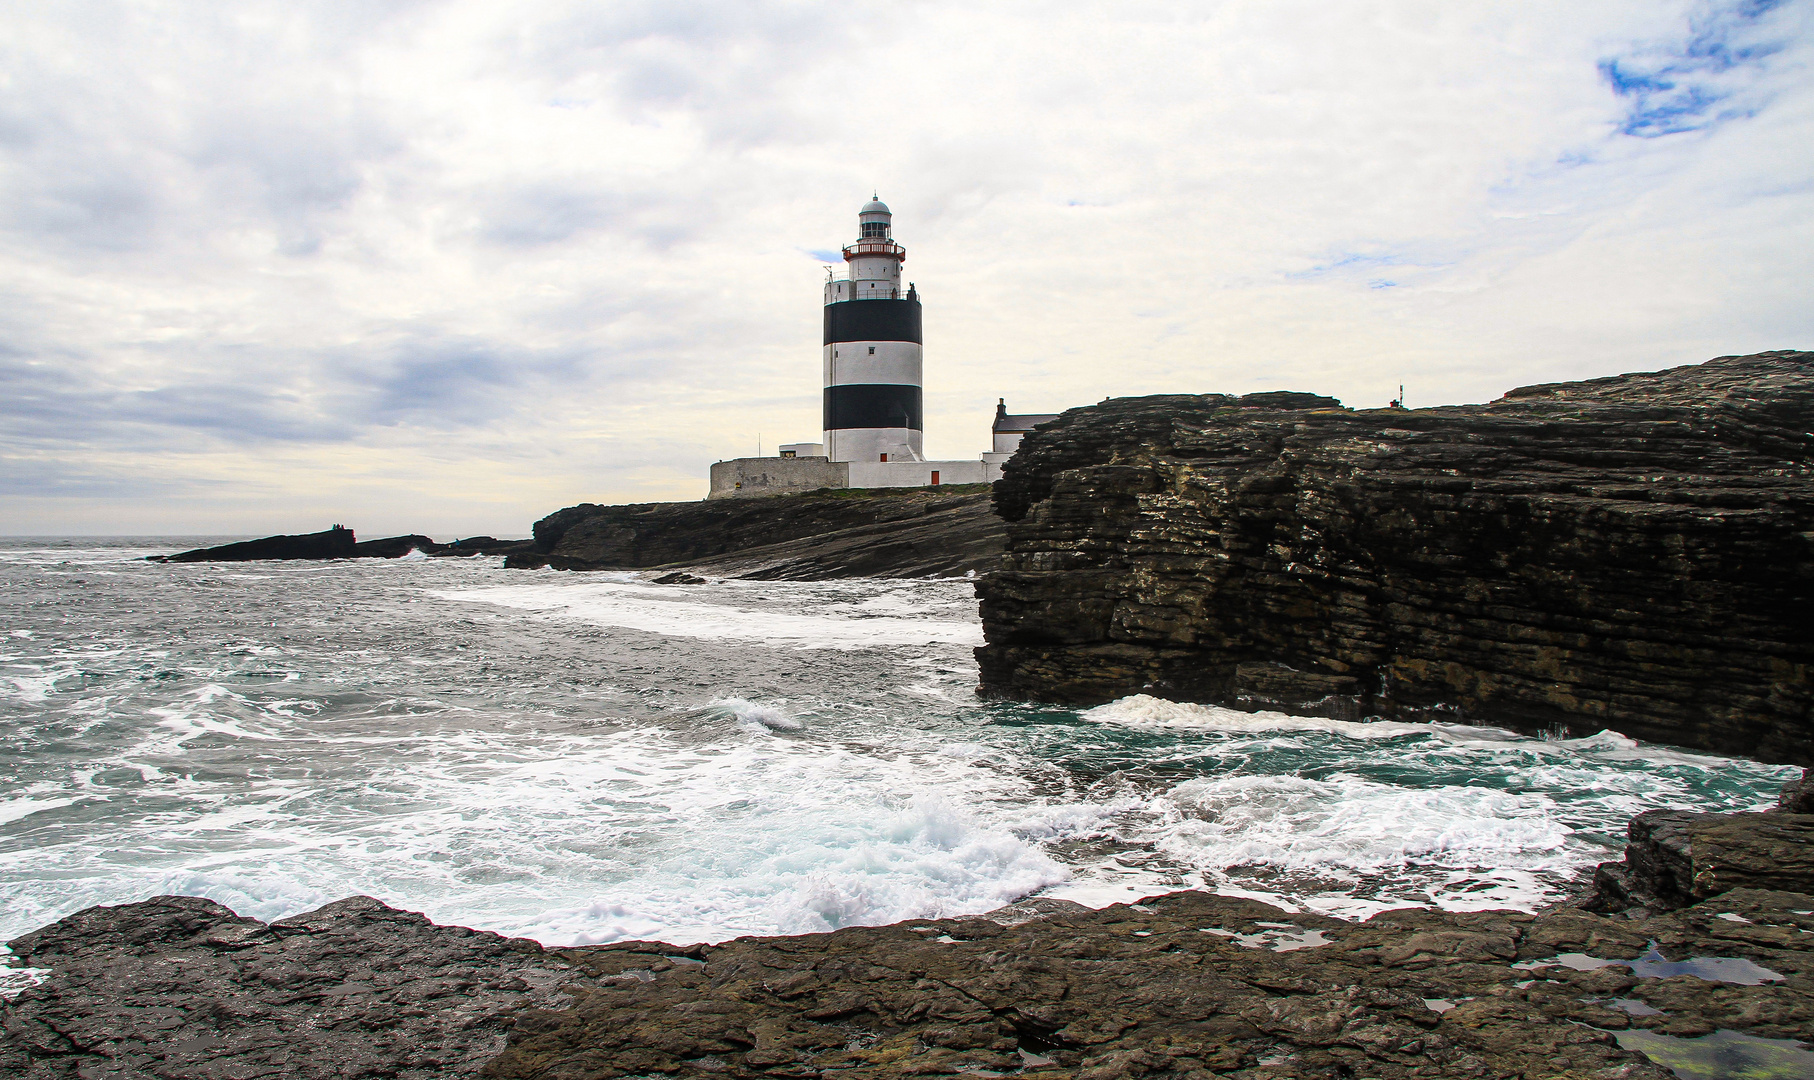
(835, 534)
(1634, 552)
(1677, 857)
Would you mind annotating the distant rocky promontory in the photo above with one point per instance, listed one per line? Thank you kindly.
(340, 543)
(1634, 553)
(835, 533)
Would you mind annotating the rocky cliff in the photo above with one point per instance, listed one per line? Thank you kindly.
(1633, 552)
(916, 532)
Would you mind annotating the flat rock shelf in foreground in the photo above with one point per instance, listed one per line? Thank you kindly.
(1186, 985)
(1634, 553)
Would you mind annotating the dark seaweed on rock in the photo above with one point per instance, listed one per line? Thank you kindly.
(1634, 552)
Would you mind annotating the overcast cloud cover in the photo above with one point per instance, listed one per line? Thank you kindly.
(449, 266)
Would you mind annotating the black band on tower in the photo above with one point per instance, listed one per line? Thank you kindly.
(872, 320)
(873, 405)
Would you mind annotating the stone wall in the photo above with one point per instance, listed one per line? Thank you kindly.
(750, 477)
(1634, 553)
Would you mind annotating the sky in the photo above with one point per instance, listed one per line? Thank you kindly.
(446, 267)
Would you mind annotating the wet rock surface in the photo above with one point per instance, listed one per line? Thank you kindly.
(1183, 985)
(1634, 553)
(1676, 857)
(182, 987)
(812, 537)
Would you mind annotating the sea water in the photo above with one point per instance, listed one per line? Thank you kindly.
(582, 758)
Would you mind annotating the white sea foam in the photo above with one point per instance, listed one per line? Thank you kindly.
(15, 809)
(1148, 712)
(694, 612)
(1354, 824)
(16, 980)
(754, 715)
(520, 765)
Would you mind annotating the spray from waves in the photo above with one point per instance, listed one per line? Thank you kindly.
(1144, 711)
(1310, 811)
(283, 738)
(824, 620)
(759, 717)
(931, 858)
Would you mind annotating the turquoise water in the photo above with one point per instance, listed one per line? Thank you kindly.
(582, 758)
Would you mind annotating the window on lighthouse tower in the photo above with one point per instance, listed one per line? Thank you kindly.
(874, 228)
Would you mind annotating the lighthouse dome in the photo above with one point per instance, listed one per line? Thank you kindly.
(875, 206)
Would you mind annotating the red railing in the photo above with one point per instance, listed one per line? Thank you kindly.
(875, 247)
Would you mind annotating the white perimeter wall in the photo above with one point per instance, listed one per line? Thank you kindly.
(919, 473)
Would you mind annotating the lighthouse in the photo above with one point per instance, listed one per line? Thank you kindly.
(873, 351)
(873, 423)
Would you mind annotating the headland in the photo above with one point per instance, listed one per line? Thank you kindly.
(1630, 553)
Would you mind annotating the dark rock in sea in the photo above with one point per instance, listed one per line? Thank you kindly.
(484, 545)
(816, 536)
(394, 547)
(339, 543)
(1632, 552)
(182, 987)
(681, 577)
(334, 543)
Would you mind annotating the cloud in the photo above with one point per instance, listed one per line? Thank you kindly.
(451, 258)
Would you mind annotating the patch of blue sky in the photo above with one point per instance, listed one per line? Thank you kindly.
(825, 256)
(1367, 266)
(1702, 78)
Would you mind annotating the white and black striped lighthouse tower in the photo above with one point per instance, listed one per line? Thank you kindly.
(873, 351)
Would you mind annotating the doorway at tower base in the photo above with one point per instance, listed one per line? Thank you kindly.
(749, 477)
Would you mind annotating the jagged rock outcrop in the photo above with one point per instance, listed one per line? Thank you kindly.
(1634, 552)
(1677, 857)
(394, 547)
(816, 536)
(182, 987)
(1797, 796)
